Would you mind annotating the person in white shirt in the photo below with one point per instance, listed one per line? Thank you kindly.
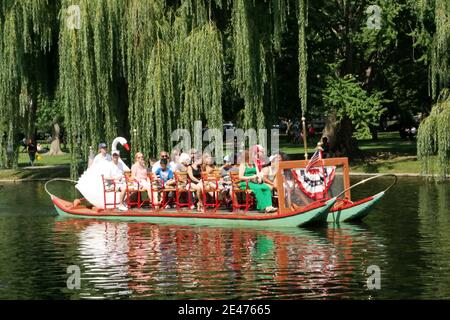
(175, 164)
(157, 165)
(102, 155)
(115, 173)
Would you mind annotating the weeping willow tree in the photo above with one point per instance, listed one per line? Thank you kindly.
(25, 38)
(440, 51)
(257, 30)
(159, 65)
(143, 27)
(89, 56)
(202, 77)
(177, 79)
(433, 143)
(158, 110)
(433, 139)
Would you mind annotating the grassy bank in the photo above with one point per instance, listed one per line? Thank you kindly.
(36, 173)
(47, 167)
(388, 154)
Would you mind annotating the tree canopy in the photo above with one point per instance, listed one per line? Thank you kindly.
(142, 68)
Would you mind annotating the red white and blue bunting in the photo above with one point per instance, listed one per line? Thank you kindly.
(315, 182)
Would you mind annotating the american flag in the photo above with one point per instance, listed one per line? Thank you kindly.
(315, 159)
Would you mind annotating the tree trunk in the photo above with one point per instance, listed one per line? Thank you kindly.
(340, 136)
(55, 146)
(374, 132)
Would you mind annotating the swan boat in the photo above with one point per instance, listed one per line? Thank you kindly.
(298, 204)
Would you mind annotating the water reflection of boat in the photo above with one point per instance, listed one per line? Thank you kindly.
(218, 262)
(296, 205)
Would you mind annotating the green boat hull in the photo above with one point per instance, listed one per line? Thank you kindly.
(316, 216)
(354, 213)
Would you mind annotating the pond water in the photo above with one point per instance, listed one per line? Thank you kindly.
(407, 236)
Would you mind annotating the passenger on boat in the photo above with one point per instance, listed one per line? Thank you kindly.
(208, 167)
(248, 171)
(102, 155)
(225, 171)
(184, 162)
(164, 173)
(294, 197)
(115, 177)
(194, 154)
(157, 165)
(258, 156)
(139, 173)
(151, 163)
(269, 173)
(227, 168)
(174, 164)
(195, 175)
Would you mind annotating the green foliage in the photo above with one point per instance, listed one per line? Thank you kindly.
(433, 139)
(345, 97)
(141, 68)
(438, 53)
(25, 35)
(48, 111)
(88, 76)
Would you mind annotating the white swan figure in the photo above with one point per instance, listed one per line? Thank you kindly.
(90, 183)
(124, 143)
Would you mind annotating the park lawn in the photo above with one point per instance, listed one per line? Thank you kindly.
(394, 165)
(47, 168)
(388, 154)
(45, 161)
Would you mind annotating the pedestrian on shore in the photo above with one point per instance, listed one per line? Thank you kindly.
(32, 150)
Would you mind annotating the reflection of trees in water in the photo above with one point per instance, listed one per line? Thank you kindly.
(202, 262)
(434, 230)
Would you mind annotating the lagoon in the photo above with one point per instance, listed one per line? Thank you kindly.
(407, 236)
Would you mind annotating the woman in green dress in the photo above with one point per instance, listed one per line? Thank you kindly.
(249, 172)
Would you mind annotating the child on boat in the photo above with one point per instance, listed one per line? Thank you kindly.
(165, 175)
(226, 183)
